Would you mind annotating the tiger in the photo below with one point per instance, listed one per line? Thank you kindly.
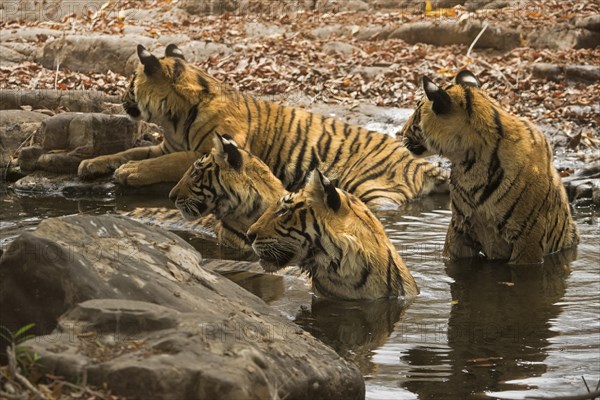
(335, 238)
(507, 200)
(191, 106)
(230, 184)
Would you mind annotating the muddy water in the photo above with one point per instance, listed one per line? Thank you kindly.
(476, 330)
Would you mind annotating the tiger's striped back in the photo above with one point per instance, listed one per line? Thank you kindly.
(192, 106)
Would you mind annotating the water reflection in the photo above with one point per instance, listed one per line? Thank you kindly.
(498, 328)
(353, 329)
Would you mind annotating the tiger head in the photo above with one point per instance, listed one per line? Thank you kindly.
(449, 120)
(166, 86)
(315, 226)
(228, 182)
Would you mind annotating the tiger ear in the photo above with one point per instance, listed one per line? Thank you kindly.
(150, 62)
(173, 51)
(325, 190)
(441, 100)
(227, 151)
(466, 77)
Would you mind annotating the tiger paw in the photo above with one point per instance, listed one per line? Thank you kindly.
(96, 166)
(130, 174)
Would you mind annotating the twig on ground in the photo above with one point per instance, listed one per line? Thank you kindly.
(485, 25)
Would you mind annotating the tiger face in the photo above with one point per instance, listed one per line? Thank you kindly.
(290, 231)
(161, 87)
(443, 122)
(226, 181)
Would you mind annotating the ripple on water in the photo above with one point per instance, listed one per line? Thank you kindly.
(475, 329)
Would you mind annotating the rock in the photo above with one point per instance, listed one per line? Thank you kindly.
(92, 54)
(142, 316)
(340, 48)
(373, 33)
(46, 11)
(9, 57)
(68, 138)
(443, 33)
(591, 22)
(261, 30)
(547, 71)
(48, 184)
(70, 100)
(327, 32)
(370, 73)
(213, 7)
(28, 35)
(585, 73)
(17, 128)
(583, 187)
(141, 15)
(563, 37)
(357, 5)
(487, 4)
(194, 51)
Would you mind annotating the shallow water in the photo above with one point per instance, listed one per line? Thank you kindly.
(476, 330)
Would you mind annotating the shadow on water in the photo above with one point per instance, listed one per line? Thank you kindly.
(498, 328)
(352, 329)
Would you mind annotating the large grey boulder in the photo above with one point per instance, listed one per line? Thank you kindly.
(17, 129)
(92, 54)
(443, 33)
(132, 307)
(46, 11)
(68, 138)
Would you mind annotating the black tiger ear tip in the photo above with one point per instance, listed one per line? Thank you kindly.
(230, 148)
(150, 62)
(332, 197)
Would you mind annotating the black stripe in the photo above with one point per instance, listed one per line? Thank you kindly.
(241, 235)
(178, 70)
(326, 292)
(469, 161)
(508, 214)
(364, 275)
(202, 82)
(495, 175)
(498, 122)
(468, 101)
(191, 117)
(204, 137)
(265, 156)
(248, 120)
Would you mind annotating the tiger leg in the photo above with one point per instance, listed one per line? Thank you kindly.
(528, 249)
(459, 244)
(103, 165)
(168, 168)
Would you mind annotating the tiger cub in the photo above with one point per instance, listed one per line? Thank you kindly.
(192, 106)
(507, 198)
(336, 239)
(230, 184)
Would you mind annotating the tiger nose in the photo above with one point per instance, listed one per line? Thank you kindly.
(251, 236)
(173, 194)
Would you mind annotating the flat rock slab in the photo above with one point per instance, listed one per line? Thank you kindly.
(48, 184)
(96, 54)
(132, 307)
